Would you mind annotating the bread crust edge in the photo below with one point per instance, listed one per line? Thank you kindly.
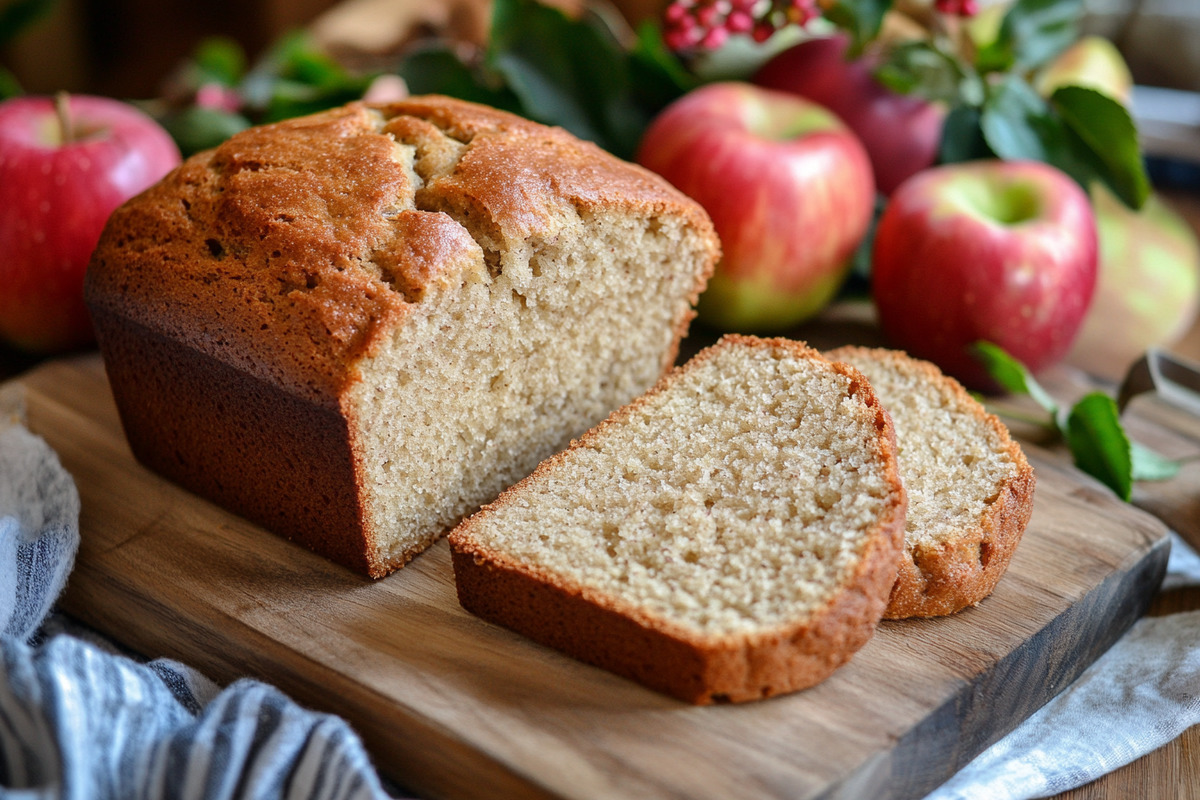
(609, 633)
(943, 580)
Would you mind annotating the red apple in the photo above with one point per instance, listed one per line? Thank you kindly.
(788, 188)
(1147, 289)
(1003, 251)
(902, 133)
(57, 189)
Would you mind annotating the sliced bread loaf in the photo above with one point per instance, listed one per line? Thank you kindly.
(356, 327)
(970, 488)
(730, 535)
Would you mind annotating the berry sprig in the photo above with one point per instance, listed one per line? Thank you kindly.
(696, 25)
(708, 24)
(958, 8)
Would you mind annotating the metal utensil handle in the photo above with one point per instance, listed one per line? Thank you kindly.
(1172, 378)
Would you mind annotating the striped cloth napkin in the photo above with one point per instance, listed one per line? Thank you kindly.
(79, 719)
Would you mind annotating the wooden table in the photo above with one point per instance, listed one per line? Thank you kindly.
(1171, 772)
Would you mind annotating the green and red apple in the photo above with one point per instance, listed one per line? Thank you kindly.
(1002, 251)
(1092, 61)
(1148, 287)
(64, 168)
(788, 187)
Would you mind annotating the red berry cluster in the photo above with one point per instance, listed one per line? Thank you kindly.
(708, 24)
(961, 8)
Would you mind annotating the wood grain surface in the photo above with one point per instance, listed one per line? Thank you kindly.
(452, 706)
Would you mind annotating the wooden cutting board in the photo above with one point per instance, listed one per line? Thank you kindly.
(452, 706)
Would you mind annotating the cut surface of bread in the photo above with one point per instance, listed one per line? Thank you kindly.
(970, 488)
(731, 535)
(356, 327)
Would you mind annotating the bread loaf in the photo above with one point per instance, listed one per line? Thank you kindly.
(356, 327)
(970, 488)
(731, 535)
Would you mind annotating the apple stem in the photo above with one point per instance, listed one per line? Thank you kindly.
(66, 126)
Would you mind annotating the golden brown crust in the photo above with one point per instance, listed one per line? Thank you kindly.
(616, 635)
(273, 264)
(290, 246)
(952, 574)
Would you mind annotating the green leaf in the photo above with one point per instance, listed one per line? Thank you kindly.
(195, 128)
(1098, 443)
(438, 70)
(1151, 466)
(962, 138)
(1108, 131)
(1084, 133)
(862, 19)
(294, 78)
(219, 59)
(1033, 32)
(1018, 123)
(566, 72)
(657, 76)
(922, 68)
(295, 99)
(1012, 375)
(9, 85)
(18, 15)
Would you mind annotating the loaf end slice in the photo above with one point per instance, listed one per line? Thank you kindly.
(731, 535)
(970, 487)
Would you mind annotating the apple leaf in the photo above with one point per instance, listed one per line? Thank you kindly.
(1032, 32)
(1108, 130)
(1012, 375)
(657, 75)
(1151, 466)
(962, 139)
(1098, 442)
(437, 70)
(218, 60)
(9, 85)
(862, 19)
(1017, 123)
(920, 68)
(195, 128)
(1091, 428)
(295, 78)
(568, 72)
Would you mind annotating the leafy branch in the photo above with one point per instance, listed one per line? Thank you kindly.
(559, 70)
(1091, 427)
(985, 71)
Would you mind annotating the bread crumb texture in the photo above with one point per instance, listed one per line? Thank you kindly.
(740, 497)
(466, 289)
(969, 485)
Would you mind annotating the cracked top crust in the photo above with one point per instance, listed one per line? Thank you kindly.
(324, 232)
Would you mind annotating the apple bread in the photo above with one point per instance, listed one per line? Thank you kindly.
(356, 327)
(731, 535)
(970, 488)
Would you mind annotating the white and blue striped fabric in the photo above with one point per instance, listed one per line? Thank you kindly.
(81, 721)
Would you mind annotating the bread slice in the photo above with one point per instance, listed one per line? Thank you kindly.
(970, 489)
(356, 327)
(731, 535)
